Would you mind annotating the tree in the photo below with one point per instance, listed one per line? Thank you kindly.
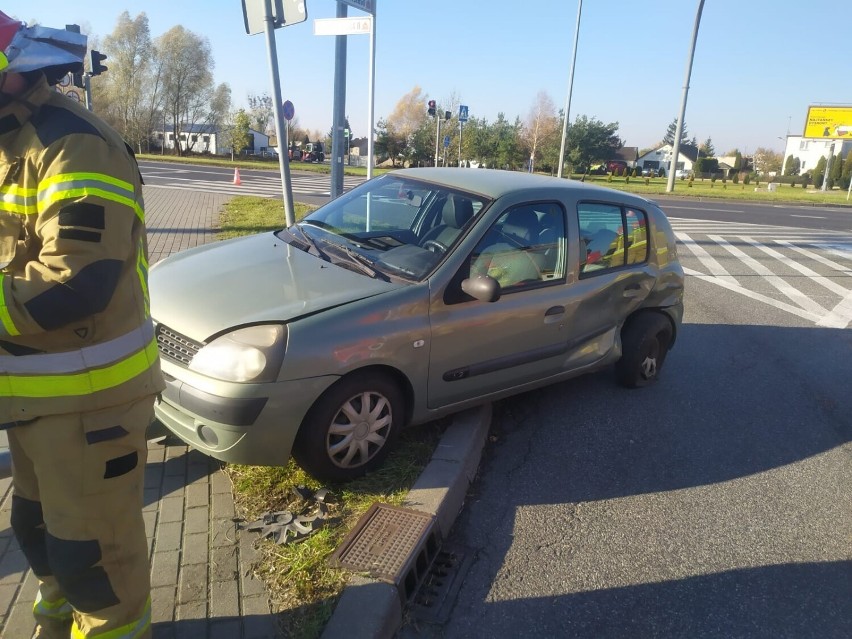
(791, 166)
(220, 108)
(738, 160)
(128, 82)
(261, 113)
(707, 148)
(767, 161)
(669, 137)
(836, 171)
(590, 140)
(187, 65)
(819, 172)
(846, 173)
(237, 135)
(389, 143)
(541, 126)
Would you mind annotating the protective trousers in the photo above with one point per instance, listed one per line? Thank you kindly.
(77, 516)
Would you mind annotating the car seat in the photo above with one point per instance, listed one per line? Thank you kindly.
(456, 213)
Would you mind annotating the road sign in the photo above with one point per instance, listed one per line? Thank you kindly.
(73, 95)
(365, 5)
(446, 141)
(342, 26)
(289, 110)
(462, 113)
(284, 13)
(65, 80)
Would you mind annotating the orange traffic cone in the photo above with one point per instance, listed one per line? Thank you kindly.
(237, 180)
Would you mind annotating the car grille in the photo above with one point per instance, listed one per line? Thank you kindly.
(175, 346)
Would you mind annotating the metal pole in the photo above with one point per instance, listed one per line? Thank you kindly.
(372, 91)
(461, 129)
(283, 159)
(87, 81)
(437, 135)
(679, 131)
(570, 88)
(339, 109)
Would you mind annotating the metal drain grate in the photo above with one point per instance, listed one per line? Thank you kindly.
(434, 600)
(395, 545)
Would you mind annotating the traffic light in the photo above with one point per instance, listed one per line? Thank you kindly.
(447, 115)
(432, 108)
(97, 58)
(77, 80)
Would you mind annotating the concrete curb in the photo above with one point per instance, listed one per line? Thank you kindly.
(370, 608)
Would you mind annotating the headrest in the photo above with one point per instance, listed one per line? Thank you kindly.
(522, 223)
(457, 211)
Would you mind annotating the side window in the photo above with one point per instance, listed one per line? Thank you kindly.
(525, 247)
(604, 244)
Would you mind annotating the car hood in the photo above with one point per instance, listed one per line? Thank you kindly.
(204, 291)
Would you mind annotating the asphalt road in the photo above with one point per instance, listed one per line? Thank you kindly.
(717, 503)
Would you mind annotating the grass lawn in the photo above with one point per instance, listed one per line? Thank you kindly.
(304, 589)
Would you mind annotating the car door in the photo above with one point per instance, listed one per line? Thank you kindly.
(480, 347)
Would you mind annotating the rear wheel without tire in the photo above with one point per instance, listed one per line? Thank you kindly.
(645, 342)
(351, 428)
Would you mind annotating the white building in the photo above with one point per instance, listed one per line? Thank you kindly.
(662, 157)
(810, 150)
(204, 138)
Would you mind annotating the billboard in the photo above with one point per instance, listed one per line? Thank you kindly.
(834, 123)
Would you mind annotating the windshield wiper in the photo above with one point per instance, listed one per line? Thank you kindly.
(365, 263)
(311, 243)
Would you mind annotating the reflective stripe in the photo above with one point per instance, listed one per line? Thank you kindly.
(4, 61)
(16, 199)
(131, 631)
(76, 185)
(6, 319)
(82, 359)
(92, 381)
(142, 272)
(59, 609)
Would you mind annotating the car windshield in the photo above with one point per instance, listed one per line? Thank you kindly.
(389, 227)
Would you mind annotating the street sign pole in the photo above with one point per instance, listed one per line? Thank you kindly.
(283, 158)
(339, 109)
(372, 87)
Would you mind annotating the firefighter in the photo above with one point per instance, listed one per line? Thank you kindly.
(78, 359)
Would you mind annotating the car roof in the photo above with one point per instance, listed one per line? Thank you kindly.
(495, 183)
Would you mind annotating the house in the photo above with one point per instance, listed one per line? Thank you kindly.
(206, 138)
(661, 157)
(810, 150)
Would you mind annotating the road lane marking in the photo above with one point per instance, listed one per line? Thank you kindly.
(776, 281)
(812, 217)
(706, 259)
(831, 285)
(815, 256)
(700, 208)
(794, 310)
(840, 315)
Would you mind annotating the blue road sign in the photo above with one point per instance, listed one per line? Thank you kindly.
(462, 113)
(289, 110)
(446, 141)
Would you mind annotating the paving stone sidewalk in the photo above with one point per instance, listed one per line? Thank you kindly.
(201, 580)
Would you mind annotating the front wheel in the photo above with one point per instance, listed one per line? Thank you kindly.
(644, 344)
(351, 428)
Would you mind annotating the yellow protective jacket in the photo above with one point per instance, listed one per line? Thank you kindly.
(75, 328)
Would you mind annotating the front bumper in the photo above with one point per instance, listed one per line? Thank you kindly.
(253, 424)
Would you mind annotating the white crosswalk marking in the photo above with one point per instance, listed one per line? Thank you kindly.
(260, 186)
(809, 271)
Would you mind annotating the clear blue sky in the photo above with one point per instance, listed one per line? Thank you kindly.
(758, 64)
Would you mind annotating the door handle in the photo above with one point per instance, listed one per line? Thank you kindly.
(554, 310)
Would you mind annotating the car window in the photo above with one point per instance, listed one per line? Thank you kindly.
(524, 247)
(603, 239)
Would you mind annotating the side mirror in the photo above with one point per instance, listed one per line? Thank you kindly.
(482, 287)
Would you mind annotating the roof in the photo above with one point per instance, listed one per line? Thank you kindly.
(626, 153)
(495, 183)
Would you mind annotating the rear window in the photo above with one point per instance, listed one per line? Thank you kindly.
(611, 236)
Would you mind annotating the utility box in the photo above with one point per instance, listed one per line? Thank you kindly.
(772, 186)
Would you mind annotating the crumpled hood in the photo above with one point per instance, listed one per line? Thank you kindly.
(206, 290)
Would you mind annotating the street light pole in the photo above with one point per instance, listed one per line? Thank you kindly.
(570, 88)
(679, 131)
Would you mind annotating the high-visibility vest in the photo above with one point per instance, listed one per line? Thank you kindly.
(75, 328)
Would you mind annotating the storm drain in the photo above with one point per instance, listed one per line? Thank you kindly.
(392, 544)
(434, 599)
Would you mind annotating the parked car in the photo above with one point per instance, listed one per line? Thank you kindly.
(313, 152)
(417, 294)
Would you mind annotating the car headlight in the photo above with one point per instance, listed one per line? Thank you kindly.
(252, 354)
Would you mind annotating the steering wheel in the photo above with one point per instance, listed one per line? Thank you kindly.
(435, 246)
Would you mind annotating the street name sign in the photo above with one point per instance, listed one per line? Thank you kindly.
(342, 26)
(365, 5)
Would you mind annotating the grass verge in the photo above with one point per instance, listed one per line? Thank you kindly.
(303, 587)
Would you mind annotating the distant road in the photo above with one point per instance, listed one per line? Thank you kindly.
(309, 187)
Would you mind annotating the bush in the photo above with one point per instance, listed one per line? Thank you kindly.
(635, 171)
(804, 180)
(627, 179)
(662, 172)
(736, 178)
(609, 177)
(747, 179)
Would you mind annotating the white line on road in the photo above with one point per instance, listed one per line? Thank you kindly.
(812, 217)
(700, 208)
(705, 258)
(754, 295)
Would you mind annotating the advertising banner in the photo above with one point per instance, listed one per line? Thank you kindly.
(834, 123)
